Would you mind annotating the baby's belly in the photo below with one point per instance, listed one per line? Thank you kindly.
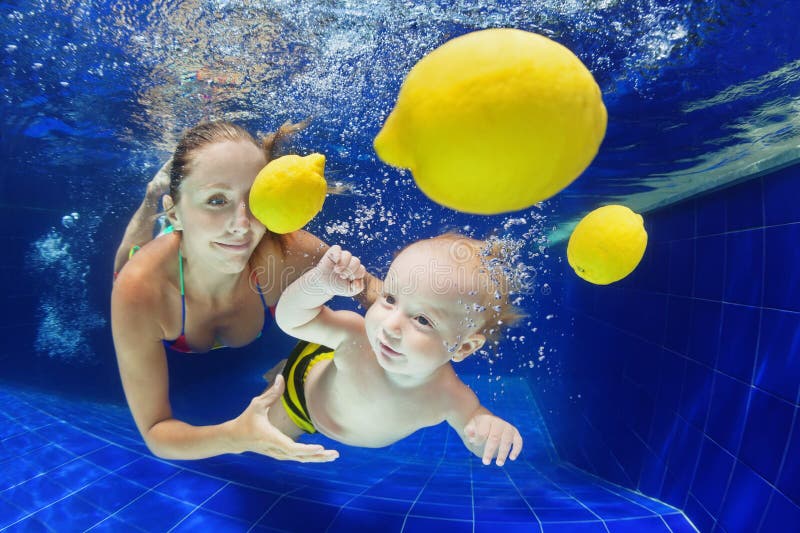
(355, 416)
(356, 435)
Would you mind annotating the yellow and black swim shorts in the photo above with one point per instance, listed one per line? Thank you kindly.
(299, 363)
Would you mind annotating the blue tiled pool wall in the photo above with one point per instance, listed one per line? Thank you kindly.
(682, 380)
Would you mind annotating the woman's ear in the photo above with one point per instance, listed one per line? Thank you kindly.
(171, 212)
(473, 343)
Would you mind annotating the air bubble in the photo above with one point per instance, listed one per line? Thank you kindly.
(68, 221)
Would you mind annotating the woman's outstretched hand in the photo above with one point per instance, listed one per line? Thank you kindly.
(254, 432)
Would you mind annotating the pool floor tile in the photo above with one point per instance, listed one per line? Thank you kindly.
(108, 481)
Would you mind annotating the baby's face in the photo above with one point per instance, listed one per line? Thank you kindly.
(427, 315)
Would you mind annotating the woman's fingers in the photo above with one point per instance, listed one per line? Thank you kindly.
(272, 394)
(323, 456)
(297, 451)
(319, 458)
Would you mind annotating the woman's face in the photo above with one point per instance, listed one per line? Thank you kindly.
(213, 208)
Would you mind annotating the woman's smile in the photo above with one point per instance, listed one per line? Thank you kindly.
(234, 247)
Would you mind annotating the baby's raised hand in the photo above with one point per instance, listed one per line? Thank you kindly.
(340, 273)
(497, 437)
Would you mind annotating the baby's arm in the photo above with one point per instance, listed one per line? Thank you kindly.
(483, 433)
(301, 310)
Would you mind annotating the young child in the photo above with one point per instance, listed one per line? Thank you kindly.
(392, 372)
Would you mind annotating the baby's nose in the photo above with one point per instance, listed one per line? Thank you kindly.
(391, 331)
(391, 326)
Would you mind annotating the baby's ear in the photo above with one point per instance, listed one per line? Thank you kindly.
(473, 343)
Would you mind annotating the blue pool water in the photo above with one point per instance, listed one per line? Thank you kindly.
(665, 402)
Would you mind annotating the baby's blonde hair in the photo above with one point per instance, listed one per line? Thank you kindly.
(494, 283)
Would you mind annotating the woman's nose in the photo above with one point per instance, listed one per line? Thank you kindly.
(241, 218)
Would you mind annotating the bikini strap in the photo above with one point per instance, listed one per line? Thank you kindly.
(263, 301)
(260, 291)
(183, 294)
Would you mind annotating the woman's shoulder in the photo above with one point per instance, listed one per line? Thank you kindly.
(303, 250)
(293, 252)
(145, 276)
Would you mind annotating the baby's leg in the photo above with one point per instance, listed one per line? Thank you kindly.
(278, 418)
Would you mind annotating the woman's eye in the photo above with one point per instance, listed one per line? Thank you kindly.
(389, 299)
(424, 321)
(216, 200)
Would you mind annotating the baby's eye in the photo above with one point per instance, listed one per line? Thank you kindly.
(217, 200)
(423, 321)
(389, 299)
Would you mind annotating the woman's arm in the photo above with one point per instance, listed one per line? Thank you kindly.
(140, 228)
(143, 368)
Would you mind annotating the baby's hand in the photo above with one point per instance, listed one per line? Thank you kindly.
(496, 435)
(340, 273)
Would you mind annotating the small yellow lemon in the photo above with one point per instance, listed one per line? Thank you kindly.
(495, 121)
(607, 244)
(289, 192)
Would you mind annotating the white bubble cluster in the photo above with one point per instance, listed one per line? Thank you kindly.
(65, 314)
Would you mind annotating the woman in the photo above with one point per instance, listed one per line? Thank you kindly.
(211, 282)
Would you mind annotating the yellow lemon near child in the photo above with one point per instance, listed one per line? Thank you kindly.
(495, 121)
(607, 244)
(289, 192)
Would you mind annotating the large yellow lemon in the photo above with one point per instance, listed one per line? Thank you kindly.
(495, 121)
(289, 192)
(607, 244)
